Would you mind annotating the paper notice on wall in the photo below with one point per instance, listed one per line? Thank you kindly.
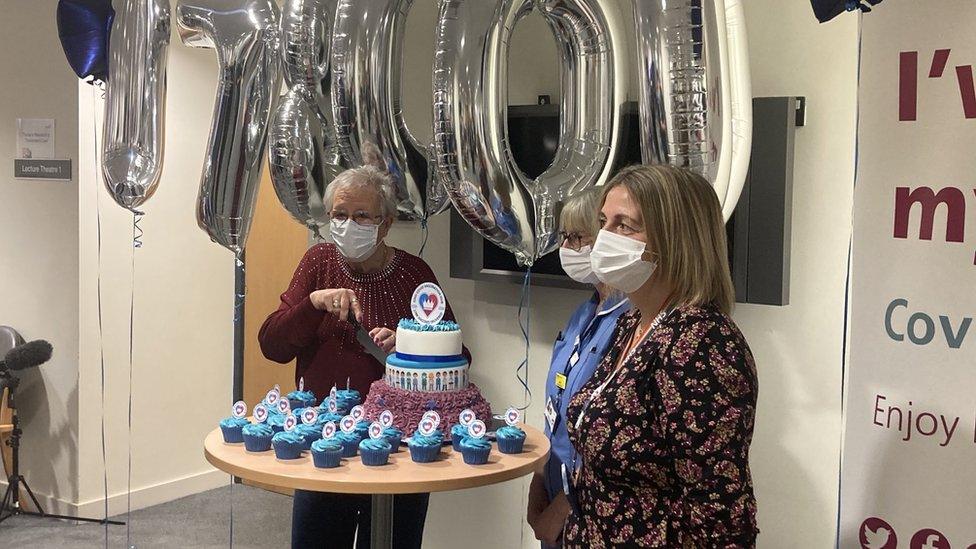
(35, 138)
(909, 464)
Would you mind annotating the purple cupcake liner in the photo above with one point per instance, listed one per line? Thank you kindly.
(424, 454)
(232, 435)
(475, 456)
(327, 459)
(456, 442)
(373, 458)
(511, 445)
(257, 444)
(349, 449)
(394, 444)
(288, 450)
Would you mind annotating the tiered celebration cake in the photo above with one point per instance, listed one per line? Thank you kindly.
(428, 371)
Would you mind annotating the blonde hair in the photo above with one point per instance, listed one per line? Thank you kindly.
(580, 213)
(684, 225)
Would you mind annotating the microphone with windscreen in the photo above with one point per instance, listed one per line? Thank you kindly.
(27, 356)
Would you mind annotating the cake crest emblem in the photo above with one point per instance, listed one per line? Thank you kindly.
(428, 304)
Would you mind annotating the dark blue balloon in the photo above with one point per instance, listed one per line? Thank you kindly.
(84, 27)
(825, 10)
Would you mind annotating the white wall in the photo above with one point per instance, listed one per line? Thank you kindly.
(39, 244)
(181, 383)
(798, 348)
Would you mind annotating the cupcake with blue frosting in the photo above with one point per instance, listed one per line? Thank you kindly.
(375, 451)
(288, 444)
(326, 453)
(326, 416)
(231, 429)
(362, 428)
(349, 442)
(511, 439)
(301, 399)
(346, 399)
(425, 448)
(458, 433)
(475, 450)
(257, 437)
(311, 432)
(277, 422)
(393, 436)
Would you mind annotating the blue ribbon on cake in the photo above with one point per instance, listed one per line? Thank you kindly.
(429, 358)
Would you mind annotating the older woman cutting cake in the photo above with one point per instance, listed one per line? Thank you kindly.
(363, 276)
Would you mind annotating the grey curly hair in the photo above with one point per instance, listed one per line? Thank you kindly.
(365, 177)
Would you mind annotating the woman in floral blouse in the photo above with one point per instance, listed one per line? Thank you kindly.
(662, 430)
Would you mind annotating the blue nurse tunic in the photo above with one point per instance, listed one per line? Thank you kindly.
(575, 355)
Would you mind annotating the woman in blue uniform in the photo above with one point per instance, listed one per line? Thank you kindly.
(575, 355)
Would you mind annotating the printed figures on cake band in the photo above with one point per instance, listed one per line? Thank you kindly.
(359, 275)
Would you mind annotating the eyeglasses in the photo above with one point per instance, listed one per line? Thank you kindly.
(573, 240)
(361, 217)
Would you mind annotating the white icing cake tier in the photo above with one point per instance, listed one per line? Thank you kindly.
(434, 342)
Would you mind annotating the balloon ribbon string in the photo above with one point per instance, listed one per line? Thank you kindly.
(238, 307)
(522, 372)
(98, 285)
(137, 234)
(426, 232)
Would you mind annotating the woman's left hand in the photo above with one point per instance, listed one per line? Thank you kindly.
(384, 337)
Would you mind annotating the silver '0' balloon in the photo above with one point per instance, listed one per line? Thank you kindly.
(245, 34)
(135, 101)
(367, 49)
(306, 42)
(472, 155)
(302, 164)
(688, 90)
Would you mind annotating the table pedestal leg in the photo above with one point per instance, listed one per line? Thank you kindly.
(381, 523)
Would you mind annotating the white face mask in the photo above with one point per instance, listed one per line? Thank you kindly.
(355, 242)
(617, 262)
(577, 264)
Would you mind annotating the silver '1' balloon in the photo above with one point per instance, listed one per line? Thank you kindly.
(686, 86)
(135, 101)
(302, 163)
(245, 34)
(367, 49)
(473, 157)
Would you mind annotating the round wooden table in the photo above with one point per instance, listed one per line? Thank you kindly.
(400, 476)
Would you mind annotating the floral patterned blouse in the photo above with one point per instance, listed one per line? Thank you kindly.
(664, 448)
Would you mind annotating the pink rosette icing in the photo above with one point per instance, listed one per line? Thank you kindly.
(408, 407)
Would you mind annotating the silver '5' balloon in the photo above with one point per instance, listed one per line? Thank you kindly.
(696, 100)
(135, 101)
(366, 66)
(246, 36)
(473, 158)
(303, 154)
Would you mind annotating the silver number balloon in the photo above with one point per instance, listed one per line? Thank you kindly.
(245, 35)
(303, 153)
(302, 164)
(473, 158)
(135, 101)
(686, 91)
(366, 66)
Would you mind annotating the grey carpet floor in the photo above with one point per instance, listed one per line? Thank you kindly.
(262, 520)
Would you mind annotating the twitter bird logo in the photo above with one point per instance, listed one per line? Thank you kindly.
(877, 534)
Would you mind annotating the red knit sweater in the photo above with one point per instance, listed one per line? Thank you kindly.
(325, 347)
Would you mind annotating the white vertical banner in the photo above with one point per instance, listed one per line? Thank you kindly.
(909, 464)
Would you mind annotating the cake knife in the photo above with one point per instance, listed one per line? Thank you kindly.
(364, 339)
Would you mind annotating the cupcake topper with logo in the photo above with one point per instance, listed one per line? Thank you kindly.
(513, 416)
(239, 410)
(347, 424)
(284, 406)
(467, 416)
(260, 413)
(272, 397)
(375, 430)
(328, 430)
(301, 384)
(433, 416)
(427, 426)
(333, 406)
(386, 418)
(276, 388)
(477, 429)
(310, 415)
(428, 304)
(358, 412)
(290, 423)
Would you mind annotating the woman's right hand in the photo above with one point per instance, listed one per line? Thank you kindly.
(538, 500)
(338, 301)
